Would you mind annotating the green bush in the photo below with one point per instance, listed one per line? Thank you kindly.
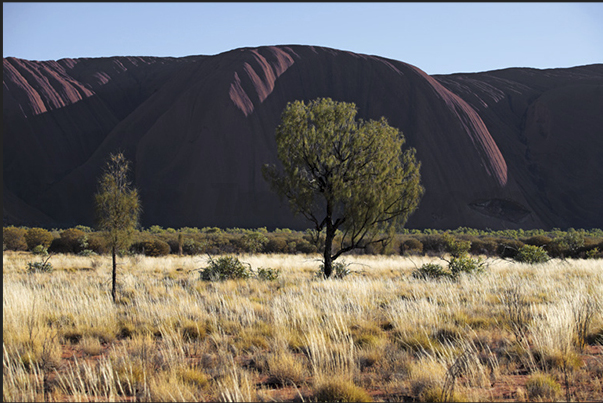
(276, 245)
(538, 240)
(431, 271)
(192, 247)
(153, 247)
(484, 246)
(225, 268)
(508, 248)
(465, 264)
(532, 254)
(97, 243)
(42, 266)
(253, 242)
(456, 247)
(72, 240)
(411, 246)
(13, 238)
(38, 236)
(340, 270)
(305, 247)
(433, 244)
(40, 250)
(268, 274)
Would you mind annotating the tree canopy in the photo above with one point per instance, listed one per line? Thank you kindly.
(343, 174)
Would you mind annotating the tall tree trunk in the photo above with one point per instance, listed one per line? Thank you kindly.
(328, 259)
(114, 253)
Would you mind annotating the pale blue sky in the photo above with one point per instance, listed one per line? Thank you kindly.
(439, 38)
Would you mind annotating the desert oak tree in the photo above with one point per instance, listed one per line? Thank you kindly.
(343, 174)
(117, 207)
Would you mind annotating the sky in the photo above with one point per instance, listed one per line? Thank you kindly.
(438, 38)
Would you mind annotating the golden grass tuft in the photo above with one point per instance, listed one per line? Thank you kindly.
(339, 390)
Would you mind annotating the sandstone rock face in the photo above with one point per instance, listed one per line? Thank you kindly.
(514, 148)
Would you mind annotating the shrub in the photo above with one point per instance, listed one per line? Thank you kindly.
(192, 247)
(72, 240)
(268, 274)
(98, 244)
(13, 238)
(508, 248)
(542, 386)
(254, 242)
(431, 271)
(276, 245)
(40, 250)
(465, 264)
(531, 254)
(433, 243)
(340, 270)
(43, 266)
(154, 247)
(593, 253)
(484, 246)
(411, 246)
(456, 247)
(305, 247)
(538, 240)
(225, 268)
(38, 236)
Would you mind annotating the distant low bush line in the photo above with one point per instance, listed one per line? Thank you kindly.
(531, 246)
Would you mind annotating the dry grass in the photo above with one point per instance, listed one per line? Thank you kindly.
(377, 334)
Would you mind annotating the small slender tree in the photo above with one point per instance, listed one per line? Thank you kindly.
(117, 208)
(344, 175)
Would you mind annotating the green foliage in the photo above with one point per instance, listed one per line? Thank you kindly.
(456, 247)
(268, 274)
(508, 248)
(465, 264)
(13, 238)
(431, 271)
(254, 242)
(83, 228)
(567, 244)
(40, 250)
(117, 208)
(38, 236)
(411, 246)
(538, 240)
(593, 253)
(340, 270)
(43, 266)
(225, 268)
(192, 247)
(153, 247)
(117, 203)
(343, 174)
(74, 239)
(532, 254)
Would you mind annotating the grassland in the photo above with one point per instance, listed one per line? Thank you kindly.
(516, 333)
